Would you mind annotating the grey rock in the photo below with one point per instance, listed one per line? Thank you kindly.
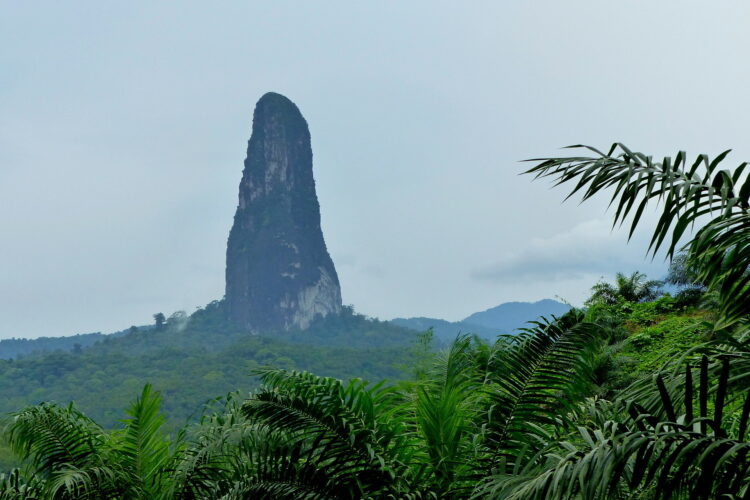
(279, 274)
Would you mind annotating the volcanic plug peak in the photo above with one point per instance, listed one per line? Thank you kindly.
(279, 274)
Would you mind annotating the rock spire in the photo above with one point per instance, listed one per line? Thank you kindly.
(279, 274)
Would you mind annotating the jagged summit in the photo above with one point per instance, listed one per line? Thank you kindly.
(279, 274)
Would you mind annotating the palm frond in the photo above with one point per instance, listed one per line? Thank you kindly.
(689, 194)
(66, 450)
(280, 469)
(14, 486)
(216, 454)
(692, 454)
(355, 431)
(52, 437)
(446, 407)
(143, 448)
(89, 483)
(535, 376)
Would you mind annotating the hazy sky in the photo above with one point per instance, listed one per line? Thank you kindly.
(124, 125)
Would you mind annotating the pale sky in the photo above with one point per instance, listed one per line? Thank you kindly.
(124, 125)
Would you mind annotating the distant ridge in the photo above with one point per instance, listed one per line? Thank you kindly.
(505, 318)
(512, 315)
(14, 348)
(444, 330)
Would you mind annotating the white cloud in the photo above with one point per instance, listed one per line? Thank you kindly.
(587, 249)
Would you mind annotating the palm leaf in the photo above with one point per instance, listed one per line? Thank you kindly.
(534, 376)
(687, 456)
(142, 447)
(52, 436)
(446, 410)
(689, 194)
(65, 448)
(354, 431)
(14, 486)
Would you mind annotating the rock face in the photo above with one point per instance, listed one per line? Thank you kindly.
(279, 274)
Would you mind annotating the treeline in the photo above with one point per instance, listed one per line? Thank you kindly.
(16, 348)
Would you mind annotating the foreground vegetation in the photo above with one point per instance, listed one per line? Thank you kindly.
(638, 396)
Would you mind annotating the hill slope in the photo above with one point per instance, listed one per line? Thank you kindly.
(197, 359)
(505, 318)
(513, 315)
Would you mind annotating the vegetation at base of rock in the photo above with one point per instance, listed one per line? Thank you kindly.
(193, 363)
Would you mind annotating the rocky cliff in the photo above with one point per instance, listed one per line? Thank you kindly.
(279, 274)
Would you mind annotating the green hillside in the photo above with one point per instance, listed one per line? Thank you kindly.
(192, 360)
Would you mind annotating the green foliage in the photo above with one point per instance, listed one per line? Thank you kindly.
(65, 448)
(646, 448)
(19, 348)
(718, 253)
(8, 460)
(633, 288)
(656, 345)
(305, 436)
(507, 421)
(446, 411)
(104, 377)
(355, 434)
(677, 450)
(73, 457)
(648, 313)
(143, 448)
(634, 315)
(14, 486)
(472, 413)
(423, 355)
(532, 378)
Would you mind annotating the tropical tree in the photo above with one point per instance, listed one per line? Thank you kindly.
(159, 320)
(652, 443)
(476, 411)
(73, 457)
(690, 193)
(633, 288)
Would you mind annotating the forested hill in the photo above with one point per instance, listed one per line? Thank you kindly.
(504, 318)
(191, 360)
(18, 347)
(14, 348)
